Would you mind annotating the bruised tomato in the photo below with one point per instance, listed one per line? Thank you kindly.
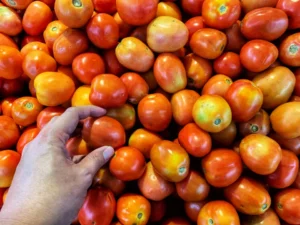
(168, 9)
(290, 7)
(125, 114)
(81, 96)
(27, 136)
(10, 62)
(6, 105)
(289, 50)
(47, 114)
(269, 217)
(226, 137)
(112, 64)
(217, 85)
(9, 161)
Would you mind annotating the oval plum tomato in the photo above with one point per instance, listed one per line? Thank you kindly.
(112, 132)
(226, 137)
(155, 107)
(10, 62)
(168, 9)
(290, 7)
(105, 6)
(53, 88)
(153, 186)
(286, 172)
(212, 113)
(259, 124)
(235, 38)
(193, 188)
(81, 96)
(47, 114)
(287, 205)
(277, 85)
(11, 23)
(35, 45)
(269, 217)
(36, 18)
(103, 31)
(17, 4)
(258, 55)
(222, 167)
(169, 73)
(289, 50)
(112, 64)
(221, 14)
(27, 136)
(9, 132)
(6, 105)
(289, 144)
(12, 87)
(198, 70)
(108, 91)
(7, 40)
(208, 43)
(176, 221)
(192, 209)
(36, 62)
(192, 7)
(218, 212)
(98, 197)
(133, 209)
(52, 32)
(257, 24)
(77, 146)
(87, 65)
(143, 140)
(158, 210)
(166, 34)
(125, 114)
(170, 160)
(228, 64)
(134, 54)
(74, 13)
(260, 153)
(9, 161)
(296, 184)
(249, 5)
(297, 86)
(124, 28)
(240, 194)
(68, 71)
(193, 24)
(285, 119)
(137, 12)
(245, 100)
(217, 85)
(25, 110)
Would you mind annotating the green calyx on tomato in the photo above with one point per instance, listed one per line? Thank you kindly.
(254, 128)
(12, 2)
(217, 122)
(182, 170)
(210, 222)
(293, 49)
(54, 28)
(77, 3)
(223, 9)
(264, 207)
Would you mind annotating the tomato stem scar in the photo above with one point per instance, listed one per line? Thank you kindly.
(140, 215)
(11, 2)
(28, 105)
(210, 221)
(293, 49)
(279, 206)
(182, 170)
(254, 128)
(77, 3)
(217, 121)
(54, 29)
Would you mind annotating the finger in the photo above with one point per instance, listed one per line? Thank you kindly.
(77, 158)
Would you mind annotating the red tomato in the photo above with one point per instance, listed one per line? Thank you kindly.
(11, 23)
(193, 24)
(192, 7)
(105, 6)
(297, 86)
(235, 38)
(27, 136)
(77, 146)
(269, 217)
(291, 8)
(217, 85)
(248, 5)
(158, 210)
(290, 144)
(98, 198)
(125, 114)
(28, 38)
(289, 50)
(9, 132)
(229, 64)
(176, 221)
(47, 114)
(150, 79)
(12, 87)
(2, 191)
(226, 137)
(112, 64)
(10, 62)
(168, 9)
(192, 209)
(140, 33)
(6, 105)
(9, 161)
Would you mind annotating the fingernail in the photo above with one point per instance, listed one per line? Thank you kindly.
(108, 153)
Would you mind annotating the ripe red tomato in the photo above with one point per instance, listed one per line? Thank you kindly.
(269, 217)
(2, 191)
(124, 28)
(9, 132)
(226, 137)
(289, 50)
(249, 5)
(10, 62)
(105, 6)
(290, 7)
(240, 194)
(193, 24)
(11, 22)
(133, 209)
(192, 7)
(9, 161)
(158, 210)
(77, 146)
(35, 45)
(12, 87)
(289, 144)
(153, 186)
(125, 114)
(98, 198)
(28, 38)
(228, 64)
(47, 114)
(27, 136)
(192, 209)
(81, 96)
(6, 105)
(217, 85)
(52, 32)
(112, 64)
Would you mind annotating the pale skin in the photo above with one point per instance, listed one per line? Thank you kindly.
(49, 186)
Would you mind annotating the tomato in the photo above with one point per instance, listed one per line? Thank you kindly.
(258, 55)
(153, 186)
(68, 71)
(193, 24)
(235, 38)
(28, 38)
(212, 113)
(103, 31)
(53, 30)
(112, 132)
(192, 209)
(170, 160)
(133, 209)
(290, 7)
(217, 85)
(168, 9)
(35, 45)
(12, 87)
(106, 179)
(17, 4)
(47, 114)
(228, 64)
(108, 91)
(10, 62)
(53, 88)
(249, 5)
(158, 210)
(286, 204)
(9, 161)
(269, 217)
(155, 107)
(198, 70)
(9, 132)
(77, 146)
(289, 50)
(27, 136)
(192, 7)
(112, 65)
(240, 194)
(6, 105)
(218, 212)
(7, 40)
(81, 96)
(11, 23)
(140, 33)
(221, 14)
(245, 100)
(137, 12)
(176, 221)
(208, 43)
(36, 62)
(150, 79)
(125, 114)
(166, 34)
(98, 197)
(124, 28)
(277, 85)
(105, 6)
(74, 14)
(2, 191)
(285, 119)
(225, 137)
(36, 18)
(290, 144)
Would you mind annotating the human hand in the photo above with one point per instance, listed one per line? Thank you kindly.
(49, 188)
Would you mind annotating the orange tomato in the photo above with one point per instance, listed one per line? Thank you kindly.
(125, 114)
(10, 62)
(35, 45)
(27, 136)
(81, 96)
(53, 30)
(17, 4)
(6, 105)
(168, 9)
(9, 132)
(9, 161)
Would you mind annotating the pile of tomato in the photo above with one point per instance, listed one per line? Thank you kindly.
(202, 100)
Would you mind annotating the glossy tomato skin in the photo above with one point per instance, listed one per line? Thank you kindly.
(170, 160)
(291, 8)
(124, 28)
(77, 146)
(125, 114)
(9, 161)
(9, 132)
(240, 194)
(98, 197)
(249, 5)
(168, 9)
(27, 136)
(269, 217)
(244, 106)
(217, 85)
(35, 45)
(10, 62)
(52, 32)
(235, 38)
(228, 64)
(218, 212)
(11, 22)
(221, 14)
(193, 24)
(289, 50)
(192, 209)
(47, 114)
(6, 105)
(81, 96)
(286, 204)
